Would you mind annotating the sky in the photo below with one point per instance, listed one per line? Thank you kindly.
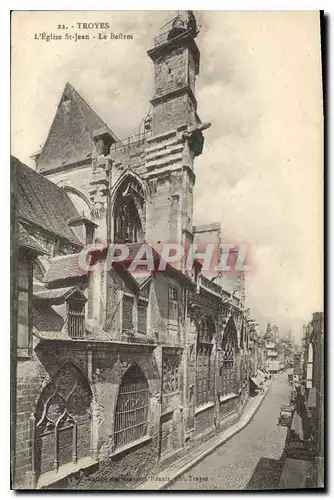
(260, 174)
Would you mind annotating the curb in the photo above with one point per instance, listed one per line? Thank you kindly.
(204, 454)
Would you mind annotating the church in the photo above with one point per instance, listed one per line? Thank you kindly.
(115, 373)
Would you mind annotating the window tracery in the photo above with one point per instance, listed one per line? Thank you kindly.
(63, 421)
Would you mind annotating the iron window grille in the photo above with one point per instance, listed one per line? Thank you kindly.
(76, 318)
(131, 416)
(228, 375)
(204, 365)
(63, 421)
(170, 372)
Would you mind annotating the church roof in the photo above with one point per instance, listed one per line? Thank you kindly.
(71, 136)
(43, 203)
(27, 241)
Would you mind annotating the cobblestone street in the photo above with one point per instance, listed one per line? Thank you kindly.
(251, 459)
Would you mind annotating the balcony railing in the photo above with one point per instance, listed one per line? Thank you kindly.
(131, 142)
(213, 287)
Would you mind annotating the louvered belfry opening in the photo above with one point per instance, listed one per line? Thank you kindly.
(76, 318)
(128, 209)
(131, 416)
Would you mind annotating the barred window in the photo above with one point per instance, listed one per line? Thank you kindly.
(131, 416)
(204, 364)
(228, 375)
(63, 421)
(173, 316)
(76, 318)
(170, 372)
(227, 365)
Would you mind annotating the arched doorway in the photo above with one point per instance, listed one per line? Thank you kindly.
(131, 414)
(63, 421)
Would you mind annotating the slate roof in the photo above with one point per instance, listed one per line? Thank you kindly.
(93, 120)
(71, 136)
(49, 321)
(57, 295)
(27, 241)
(43, 203)
(64, 267)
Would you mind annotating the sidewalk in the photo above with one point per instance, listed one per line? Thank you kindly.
(161, 480)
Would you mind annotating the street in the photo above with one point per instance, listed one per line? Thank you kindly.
(251, 459)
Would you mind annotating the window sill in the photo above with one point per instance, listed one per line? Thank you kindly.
(52, 476)
(130, 446)
(204, 407)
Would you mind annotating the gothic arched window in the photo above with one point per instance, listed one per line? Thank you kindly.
(128, 213)
(227, 366)
(63, 421)
(131, 416)
(204, 365)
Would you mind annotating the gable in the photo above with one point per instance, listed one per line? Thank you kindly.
(70, 139)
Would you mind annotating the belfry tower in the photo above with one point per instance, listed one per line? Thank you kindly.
(176, 132)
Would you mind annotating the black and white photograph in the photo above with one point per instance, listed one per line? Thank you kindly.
(166, 261)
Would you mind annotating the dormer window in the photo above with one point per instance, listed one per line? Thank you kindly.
(76, 318)
(103, 141)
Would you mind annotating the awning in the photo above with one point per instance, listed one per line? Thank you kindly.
(255, 382)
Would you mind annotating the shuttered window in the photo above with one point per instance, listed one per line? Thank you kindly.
(127, 314)
(142, 316)
(24, 293)
(173, 317)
